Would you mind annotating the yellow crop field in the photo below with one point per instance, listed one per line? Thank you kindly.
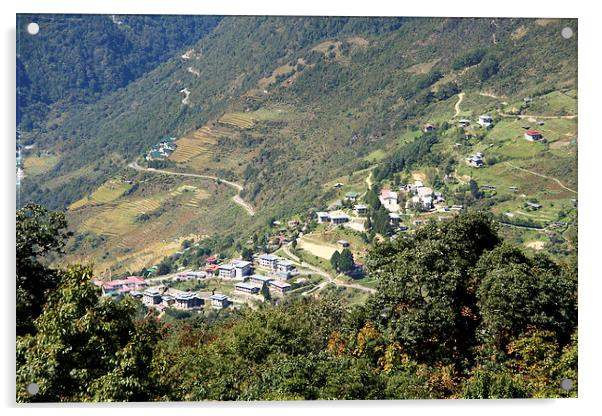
(200, 142)
(239, 119)
(120, 218)
(107, 192)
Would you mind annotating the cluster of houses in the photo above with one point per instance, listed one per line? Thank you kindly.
(182, 300)
(129, 285)
(162, 150)
(476, 160)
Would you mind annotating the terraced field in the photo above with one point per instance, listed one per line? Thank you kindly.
(195, 145)
(238, 119)
(118, 219)
(108, 192)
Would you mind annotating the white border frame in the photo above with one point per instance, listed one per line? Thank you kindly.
(590, 148)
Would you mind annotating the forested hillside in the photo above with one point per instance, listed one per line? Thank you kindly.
(80, 58)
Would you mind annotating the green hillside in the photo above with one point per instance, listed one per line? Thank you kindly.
(287, 105)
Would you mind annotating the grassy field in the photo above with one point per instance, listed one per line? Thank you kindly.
(37, 165)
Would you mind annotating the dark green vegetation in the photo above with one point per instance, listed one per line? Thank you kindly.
(458, 314)
(81, 58)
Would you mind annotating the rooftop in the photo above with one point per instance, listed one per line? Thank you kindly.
(218, 296)
(268, 257)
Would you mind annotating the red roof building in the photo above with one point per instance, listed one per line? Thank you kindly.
(533, 135)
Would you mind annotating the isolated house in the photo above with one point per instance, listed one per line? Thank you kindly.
(474, 161)
(343, 243)
(533, 135)
(394, 218)
(464, 122)
(351, 196)
(485, 120)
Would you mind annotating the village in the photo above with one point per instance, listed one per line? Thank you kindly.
(301, 253)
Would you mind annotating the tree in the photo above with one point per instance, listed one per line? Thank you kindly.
(247, 254)
(265, 292)
(38, 234)
(85, 348)
(335, 259)
(542, 295)
(346, 263)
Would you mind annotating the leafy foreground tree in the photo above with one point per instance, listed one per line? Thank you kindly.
(87, 348)
(38, 234)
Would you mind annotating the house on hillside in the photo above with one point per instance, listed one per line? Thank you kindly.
(259, 279)
(268, 261)
(474, 161)
(242, 268)
(428, 128)
(122, 286)
(211, 260)
(246, 288)
(339, 218)
(323, 217)
(388, 199)
(533, 135)
(485, 120)
(151, 297)
(343, 243)
(534, 205)
(360, 209)
(226, 271)
(280, 286)
(285, 267)
(464, 122)
(351, 196)
(211, 270)
(188, 300)
(219, 301)
(394, 218)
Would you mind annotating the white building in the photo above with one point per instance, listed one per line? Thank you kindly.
(485, 120)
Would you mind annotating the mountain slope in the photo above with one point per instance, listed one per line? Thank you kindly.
(290, 106)
(79, 58)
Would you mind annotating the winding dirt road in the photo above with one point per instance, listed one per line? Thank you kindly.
(236, 198)
(457, 106)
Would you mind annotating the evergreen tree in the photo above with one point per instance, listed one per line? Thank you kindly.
(346, 262)
(335, 259)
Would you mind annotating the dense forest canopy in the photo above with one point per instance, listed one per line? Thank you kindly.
(80, 58)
